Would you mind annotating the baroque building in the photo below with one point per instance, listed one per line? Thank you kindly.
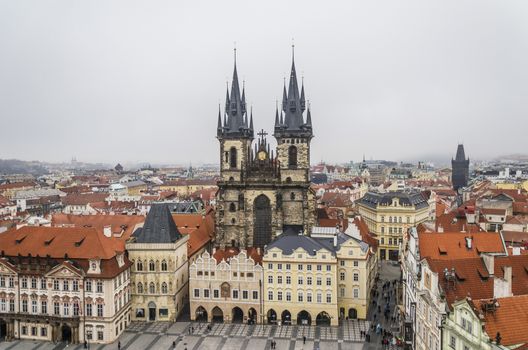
(263, 193)
(460, 168)
(63, 284)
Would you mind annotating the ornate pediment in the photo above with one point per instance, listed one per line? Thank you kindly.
(6, 267)
(64, 270)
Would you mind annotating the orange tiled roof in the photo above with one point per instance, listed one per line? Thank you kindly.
(124, 224)
(224, 254)
(84, 199)
(510, 319)
(493, 211)
(455, 221)
(78, 243)
(455, 244)
(14, 185)
(201, 229)
(520, 207)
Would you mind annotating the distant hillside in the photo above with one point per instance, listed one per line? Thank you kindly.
(15, 166)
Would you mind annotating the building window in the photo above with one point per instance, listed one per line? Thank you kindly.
(88, 309)
(270, 266)
(328, 281)
(43, 332)
(319, 281)
(319, 267)
(11, 282)
(309, 297)
(66, 309)
(140, 288)
(216, 293)
(288, 296)
(341, 276)
(300, 267)
(270, 279)
(139, 265)
(152, 266)
(328, 298)
(279, 296)
(356, 263)
(328, 268)
(152, 288)
(309, 280)
(292, 157)
(56, 308)
(44, 307)
(279, 266)
(100, 335)
(65, 285)
(100, 310)
(356, 293)
(2, 281)
(34, 283)
(270, 295)
(356, 277)
(235, 293)
(342, 292)
(245, 294)
(300, 280)
(34, 331)
(24, 330)
(75, 286)
(164, 265)
(288, 279)
(164, 288)
(288, 267)
(342, 263)
(319, 298)
(300, 297)
(24, 306)
(99, 287)
(279, 279)
(255, 294)
(24, 283)
(233, 157)
(34, 308)
(309, 267)
(452, 342)
(88, 286)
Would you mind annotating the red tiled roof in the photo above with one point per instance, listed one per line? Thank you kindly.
(15, 185)
(455, 244)
(455, 221)
(225, 254)
(515, 236)
(493, 211)
(510, 319)
(201, 229)
(84, 199)
(123, 225)
(520, 208)
(365, 234)
(78, 243)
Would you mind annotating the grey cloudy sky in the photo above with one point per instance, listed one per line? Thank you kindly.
(141, 81)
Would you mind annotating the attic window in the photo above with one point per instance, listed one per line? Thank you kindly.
(482, 273)
(442, 250)
(18, 241)
(78, 244)
(460, 276)
(48, 242)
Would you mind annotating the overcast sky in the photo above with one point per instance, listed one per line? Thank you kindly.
(141, 81)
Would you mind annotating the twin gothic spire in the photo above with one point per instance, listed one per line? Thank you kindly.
(289, 123)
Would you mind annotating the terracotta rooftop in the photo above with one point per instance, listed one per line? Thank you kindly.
(84, 199)
(515, 236)
(121, 225)
(225, 254)
(15, 185)
(201, 229)
(452, 245)
(510, 319)
(455, 221)
(77, 243)
(493, 211)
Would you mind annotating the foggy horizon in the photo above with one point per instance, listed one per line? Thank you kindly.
(141, 82)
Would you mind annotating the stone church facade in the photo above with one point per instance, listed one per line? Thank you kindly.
(263, 192)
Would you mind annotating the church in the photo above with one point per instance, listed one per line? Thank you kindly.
(263, 192)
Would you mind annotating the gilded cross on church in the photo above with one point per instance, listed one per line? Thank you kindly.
(262, 133)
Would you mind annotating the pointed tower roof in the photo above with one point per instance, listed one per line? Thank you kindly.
(460, 154)
(293, 106)
(235, 118)
(159, 226)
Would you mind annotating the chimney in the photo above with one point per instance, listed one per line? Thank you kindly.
(440, 228)
(214, 250)
(502, 287)
(469, 242)
(107, 230)
(508, 278)
(335, 240)
(489, 261)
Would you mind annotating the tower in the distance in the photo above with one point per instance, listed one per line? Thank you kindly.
(460, 169)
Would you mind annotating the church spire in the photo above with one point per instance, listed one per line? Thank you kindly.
(235, 119)
(276, 114)
(219, 126)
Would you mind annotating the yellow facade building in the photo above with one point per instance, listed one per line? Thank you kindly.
(389, 215)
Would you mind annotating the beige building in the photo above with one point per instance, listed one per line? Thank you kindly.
(300, 285)
(158, 252)
(63, 284)
(389, 215)
(226, 287)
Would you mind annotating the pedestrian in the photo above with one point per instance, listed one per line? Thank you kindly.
(85, 344)
(192, 330)
(173, 345)
(304, 339)
(119, 345)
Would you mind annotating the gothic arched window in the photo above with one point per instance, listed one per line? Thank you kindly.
(233, 157)
(292, 157)
(152, 266)
(292, 196)
(232, 207)
(164, 265)
(139, 265)
(140, 288)
(164, 288)
(152, 288)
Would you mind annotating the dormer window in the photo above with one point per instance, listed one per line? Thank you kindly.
(95, 266)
